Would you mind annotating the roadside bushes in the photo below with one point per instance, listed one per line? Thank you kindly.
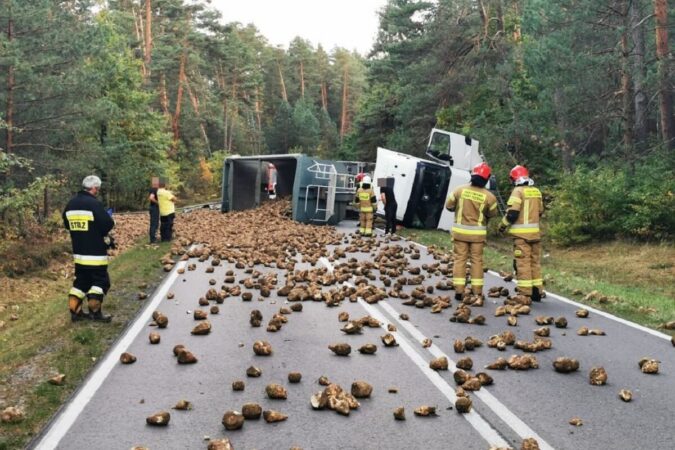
(607, 203)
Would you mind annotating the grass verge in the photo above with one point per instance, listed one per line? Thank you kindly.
(633, 281)
(43, 342)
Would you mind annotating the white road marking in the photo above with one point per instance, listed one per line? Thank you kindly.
(508, 417)
(581, 305)
(605, 314)
(476, 420)
(65, 420)
(516, 424)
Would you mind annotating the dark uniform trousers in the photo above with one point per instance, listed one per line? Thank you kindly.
(154, 223)
(90, 281)
(166, 227)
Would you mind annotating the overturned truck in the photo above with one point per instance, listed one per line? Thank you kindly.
(320, 190)
(422, 186)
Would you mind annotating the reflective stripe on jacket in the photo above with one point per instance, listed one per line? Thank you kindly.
(527, 201)
(365, 199)
(473, 205)
(88, 223)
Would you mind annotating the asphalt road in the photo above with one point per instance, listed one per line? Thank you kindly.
(109, 411)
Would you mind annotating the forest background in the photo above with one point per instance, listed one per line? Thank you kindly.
(579, 91)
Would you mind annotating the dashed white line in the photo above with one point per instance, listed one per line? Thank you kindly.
(476, 420)
(513, 421)
(65, 420)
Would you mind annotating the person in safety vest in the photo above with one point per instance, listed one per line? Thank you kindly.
(524, 208)
(365, 200)
(472, 205)
(89, 225)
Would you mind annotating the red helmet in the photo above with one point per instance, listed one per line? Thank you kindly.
(518, 172)
(359, 177)
(482, 170)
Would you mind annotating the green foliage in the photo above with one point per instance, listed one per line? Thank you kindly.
(605, 203)
(588, 205)
(18, 206)
(279, 134)
(306, 128)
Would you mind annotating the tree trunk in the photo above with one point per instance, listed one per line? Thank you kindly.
(234, 112)
(302, 80)
(626, 92)
(324, 96)
(46, 204)
(258, 108)
(638, 60)
(344, 119)
(663, 67)
(500, 15)
(9, 120)
(148, 36)
(221, 82)
(484, 17)
(175, 126)
(163, 97)
(563, 127)
(195, 107)
(284, 95)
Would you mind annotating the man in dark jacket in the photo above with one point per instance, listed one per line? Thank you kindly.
(154, 209)
(89, 225)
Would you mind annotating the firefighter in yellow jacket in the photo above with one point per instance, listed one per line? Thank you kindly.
(524, 208)
(472, 205)
(365, 200)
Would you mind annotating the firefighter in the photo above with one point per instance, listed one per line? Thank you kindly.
(524, 208)
(89, 225)
(365, 200)
(472, 205)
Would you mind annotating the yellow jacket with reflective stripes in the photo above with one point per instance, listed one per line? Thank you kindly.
(365, 199)
(472, 205)
(527, 201)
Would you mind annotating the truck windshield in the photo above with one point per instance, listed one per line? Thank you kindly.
(439, 146)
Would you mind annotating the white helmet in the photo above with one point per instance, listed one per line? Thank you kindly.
(366, 180)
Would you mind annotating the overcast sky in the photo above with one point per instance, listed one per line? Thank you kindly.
(351, 24)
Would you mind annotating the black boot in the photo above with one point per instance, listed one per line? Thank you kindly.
(78, 316)
(98, 316)
(459, 296)
(75, 307)
(95, 312)
(536, 295)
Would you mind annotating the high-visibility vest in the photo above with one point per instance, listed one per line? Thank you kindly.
(472, 205)
(365, 199)
(528, 202)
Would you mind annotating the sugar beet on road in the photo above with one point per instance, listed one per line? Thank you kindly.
(519, 404)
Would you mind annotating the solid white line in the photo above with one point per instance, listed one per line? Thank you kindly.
(509, 418)
(581, 305)
(609, 316)
(476, 420)
(65, 420)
